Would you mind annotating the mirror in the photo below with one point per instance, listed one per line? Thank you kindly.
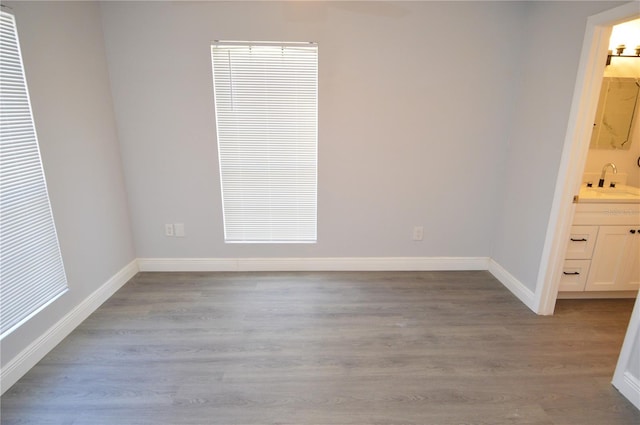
(615, 115)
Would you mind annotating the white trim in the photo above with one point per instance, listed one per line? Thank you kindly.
(630, 388)
(575, 149)
(510, 282)
(31, 355)
(572, 162)
(596, 295)
(313, 264)
(623, 380)
(187, 264)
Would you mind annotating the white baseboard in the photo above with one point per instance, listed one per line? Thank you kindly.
(596, 294)
(629, 386)
(31, 355)
(518, 289)
(313, 264)
(623, 378)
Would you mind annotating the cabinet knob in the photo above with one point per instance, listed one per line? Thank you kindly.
(632, 231)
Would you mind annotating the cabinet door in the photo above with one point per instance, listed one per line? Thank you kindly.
(610, 258)
(630, 276)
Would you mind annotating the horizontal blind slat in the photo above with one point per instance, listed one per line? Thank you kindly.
(32, 273)
(266, 118)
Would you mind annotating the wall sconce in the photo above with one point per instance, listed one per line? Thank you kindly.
(619, 53)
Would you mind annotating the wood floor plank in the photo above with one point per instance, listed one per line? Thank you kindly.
(436, 348)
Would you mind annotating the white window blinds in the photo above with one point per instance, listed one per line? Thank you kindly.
(266, 97)
(31, 270)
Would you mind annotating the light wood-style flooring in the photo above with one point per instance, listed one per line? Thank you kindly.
(434, 348)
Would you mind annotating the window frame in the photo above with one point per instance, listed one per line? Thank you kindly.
(33, 273)
(270, 87)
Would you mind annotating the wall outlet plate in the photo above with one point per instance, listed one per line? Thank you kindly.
(418, 233)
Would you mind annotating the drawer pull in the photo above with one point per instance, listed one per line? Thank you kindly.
(632, 231)
(578, 240)
(569, 273)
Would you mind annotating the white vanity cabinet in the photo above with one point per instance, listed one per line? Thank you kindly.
(616, 259)
(578, 258)
(603, 253)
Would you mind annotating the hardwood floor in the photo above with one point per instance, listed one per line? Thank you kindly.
(432, 348)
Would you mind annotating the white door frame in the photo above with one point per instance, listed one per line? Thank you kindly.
(575, 149)
(623, 379)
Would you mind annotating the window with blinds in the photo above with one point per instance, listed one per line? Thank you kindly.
(266, 102)
(31, 271)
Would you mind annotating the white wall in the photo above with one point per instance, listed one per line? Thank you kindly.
(66, 71)
(414, 99)
(554, 34)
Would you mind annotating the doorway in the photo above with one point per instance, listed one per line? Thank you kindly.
(572, 164)
(576, 147)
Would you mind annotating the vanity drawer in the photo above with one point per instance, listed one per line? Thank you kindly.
(581, 242)
(574, 275)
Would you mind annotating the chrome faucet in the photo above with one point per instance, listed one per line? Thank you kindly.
(604, 172)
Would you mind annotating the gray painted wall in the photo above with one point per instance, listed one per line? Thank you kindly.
(413, 102)
(442, 114)
(544, 90)
(66, 71)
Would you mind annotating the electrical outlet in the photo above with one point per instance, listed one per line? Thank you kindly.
(179, 230)
(168, 230)
(418, 232)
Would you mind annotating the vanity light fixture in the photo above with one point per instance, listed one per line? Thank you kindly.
(619, 53)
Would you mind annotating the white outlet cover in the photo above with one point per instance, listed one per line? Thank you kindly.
(179, 230)
(168, 230)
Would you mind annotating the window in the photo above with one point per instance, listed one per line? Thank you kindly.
(266, 98)
(32, 273)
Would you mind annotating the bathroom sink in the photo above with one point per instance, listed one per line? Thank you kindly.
(620, 193)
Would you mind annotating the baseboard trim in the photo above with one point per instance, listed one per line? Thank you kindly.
(516, 287)
(630, 388)
(596, 295)
(23, 362)
(624, 379)
(313, 264)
